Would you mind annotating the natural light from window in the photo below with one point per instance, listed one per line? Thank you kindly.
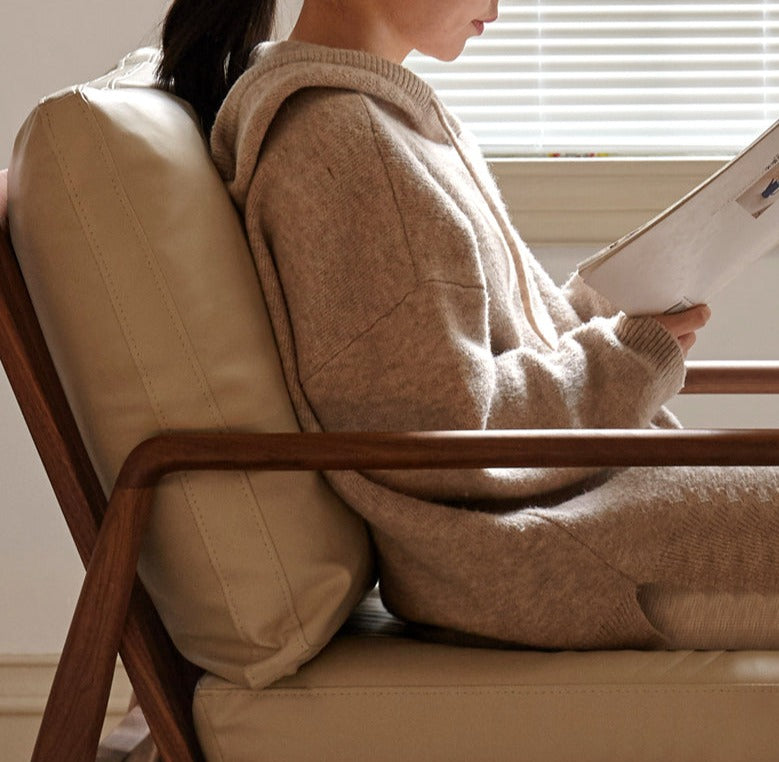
(622, 78)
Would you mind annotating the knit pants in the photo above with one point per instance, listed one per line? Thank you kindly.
(650, 558)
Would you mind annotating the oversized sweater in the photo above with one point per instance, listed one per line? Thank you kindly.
(403, 299)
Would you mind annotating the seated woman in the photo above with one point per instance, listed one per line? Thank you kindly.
(402, 299)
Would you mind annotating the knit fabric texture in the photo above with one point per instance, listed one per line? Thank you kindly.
(403, 299)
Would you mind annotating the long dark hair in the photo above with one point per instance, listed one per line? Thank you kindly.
(206, 46)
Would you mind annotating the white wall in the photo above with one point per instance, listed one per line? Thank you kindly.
(47, 44)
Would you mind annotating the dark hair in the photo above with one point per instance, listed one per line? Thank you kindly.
(206, 46)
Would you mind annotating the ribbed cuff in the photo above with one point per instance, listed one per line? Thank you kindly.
(649, 339)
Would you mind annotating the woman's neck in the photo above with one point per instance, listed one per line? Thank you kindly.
(356, 26)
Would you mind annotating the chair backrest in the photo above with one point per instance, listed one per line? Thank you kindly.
(142, 287)
(163, 680)
(145, 289)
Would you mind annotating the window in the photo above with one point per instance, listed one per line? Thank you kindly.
(620, 78)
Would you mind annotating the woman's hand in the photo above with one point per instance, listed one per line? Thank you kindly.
(683, 325)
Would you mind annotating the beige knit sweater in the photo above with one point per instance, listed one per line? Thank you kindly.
(402, 299)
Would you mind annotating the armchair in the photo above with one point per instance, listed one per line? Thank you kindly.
(364, 696)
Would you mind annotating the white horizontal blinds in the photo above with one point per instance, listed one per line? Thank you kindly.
(624, 78)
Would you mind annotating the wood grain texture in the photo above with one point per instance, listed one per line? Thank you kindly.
(565, 448)
(721, 377)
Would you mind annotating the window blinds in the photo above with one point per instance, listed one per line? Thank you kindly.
(617, 78)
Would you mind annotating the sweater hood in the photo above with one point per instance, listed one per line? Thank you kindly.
(279, 69)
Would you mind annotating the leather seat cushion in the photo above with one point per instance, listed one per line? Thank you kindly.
(376, 694)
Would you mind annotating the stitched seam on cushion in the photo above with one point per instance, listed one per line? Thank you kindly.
(163, 291)
(270, 549)
(107, 278)
(216, 415)
(362, 334)
(121, 317)
(153, 267)
(94, 246)
(191, 497)
(297, 693)
(116, 305)
(278, 568)
(209, 725)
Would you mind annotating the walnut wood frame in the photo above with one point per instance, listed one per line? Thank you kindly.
(114, 614)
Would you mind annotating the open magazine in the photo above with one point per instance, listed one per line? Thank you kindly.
(695, 247)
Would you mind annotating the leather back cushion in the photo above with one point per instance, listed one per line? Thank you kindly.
(146, 292)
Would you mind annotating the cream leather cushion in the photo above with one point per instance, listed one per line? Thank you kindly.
(387, 699)
(147, 294)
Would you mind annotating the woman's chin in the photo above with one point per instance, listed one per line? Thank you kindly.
(446, 54)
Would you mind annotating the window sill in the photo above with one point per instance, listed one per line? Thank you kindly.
(593, 200)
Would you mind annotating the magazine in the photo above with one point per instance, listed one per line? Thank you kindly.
(694, 248)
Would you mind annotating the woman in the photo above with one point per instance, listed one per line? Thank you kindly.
(402, 299)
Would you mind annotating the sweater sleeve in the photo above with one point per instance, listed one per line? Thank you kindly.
(586, 301)
(383, 340)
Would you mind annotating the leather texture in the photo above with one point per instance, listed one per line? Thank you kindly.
(376, 694)
(147, 294)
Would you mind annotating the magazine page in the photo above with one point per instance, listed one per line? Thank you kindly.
(694, 248)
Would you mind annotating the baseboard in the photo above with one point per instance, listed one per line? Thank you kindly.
(25, 681)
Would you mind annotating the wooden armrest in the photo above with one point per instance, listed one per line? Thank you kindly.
(77, 702)
(551, 448)
(732, 377)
